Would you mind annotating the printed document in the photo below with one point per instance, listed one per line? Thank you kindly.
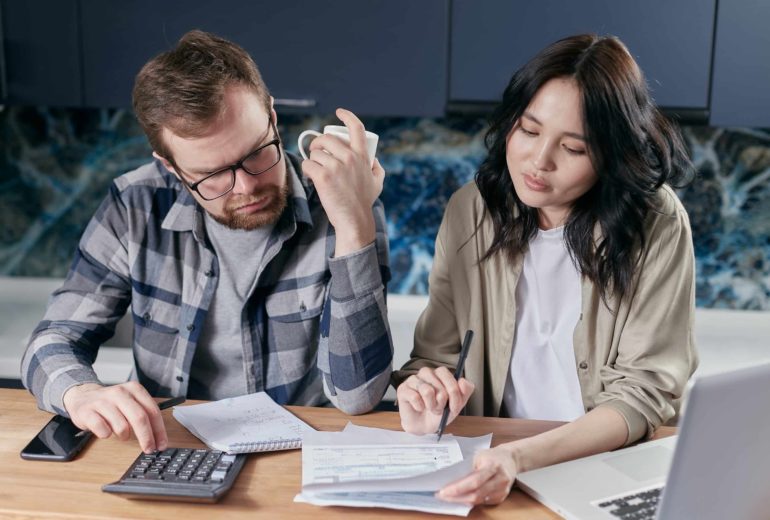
(372, 467)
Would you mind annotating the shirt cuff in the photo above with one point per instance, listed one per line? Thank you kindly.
(64, 382)
(355, 274)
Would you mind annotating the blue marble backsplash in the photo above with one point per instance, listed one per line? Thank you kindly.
(56, 165)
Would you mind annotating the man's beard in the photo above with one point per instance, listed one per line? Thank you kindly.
(268, 215)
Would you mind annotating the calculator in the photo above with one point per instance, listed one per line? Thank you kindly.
(186, 474)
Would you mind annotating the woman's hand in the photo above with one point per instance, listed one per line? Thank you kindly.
(422, 398)
(494, 472)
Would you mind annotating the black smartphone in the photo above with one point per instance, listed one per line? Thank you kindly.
(59, 440)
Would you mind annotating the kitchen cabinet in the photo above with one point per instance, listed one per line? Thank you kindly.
(40, 62)
(705, 60)
(379, 57)
(740, 92)
(671, 41)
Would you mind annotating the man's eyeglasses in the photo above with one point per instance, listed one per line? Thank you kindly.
(221, 182)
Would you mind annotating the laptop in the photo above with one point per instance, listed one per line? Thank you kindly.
(718, 466)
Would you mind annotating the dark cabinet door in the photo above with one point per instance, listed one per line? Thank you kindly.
(40, 44)
(671, 41)
(376, 57)
(740, 91)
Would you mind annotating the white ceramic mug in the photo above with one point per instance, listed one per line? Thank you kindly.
(341, 132)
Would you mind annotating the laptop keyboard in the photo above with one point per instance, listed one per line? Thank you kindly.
(639, 505)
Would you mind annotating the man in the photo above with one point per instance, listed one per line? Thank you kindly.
(241, 274)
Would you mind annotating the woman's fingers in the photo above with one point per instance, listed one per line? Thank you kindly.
(469, 486)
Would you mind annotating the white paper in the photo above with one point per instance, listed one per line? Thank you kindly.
(248, 420)
(424, 502)
(373, 467)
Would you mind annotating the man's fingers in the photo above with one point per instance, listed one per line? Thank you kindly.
(117, 422)
(145, 418)
(356, 129)
(378, 171)
(323, 157)
(328, 149)
(149, 418)
(96, 424)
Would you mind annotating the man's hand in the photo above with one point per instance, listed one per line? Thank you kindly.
(118, 410)
(494, 472)
(422, 398)
(346, 184)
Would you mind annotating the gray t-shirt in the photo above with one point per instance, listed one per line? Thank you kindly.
(218, 369)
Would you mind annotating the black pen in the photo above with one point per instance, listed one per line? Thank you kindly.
(458, 373)
(168, 403)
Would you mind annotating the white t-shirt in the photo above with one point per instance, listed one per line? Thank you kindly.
(542, 381)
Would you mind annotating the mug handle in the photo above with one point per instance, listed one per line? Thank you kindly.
(301, 138)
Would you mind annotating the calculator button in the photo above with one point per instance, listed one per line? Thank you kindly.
(218, 476)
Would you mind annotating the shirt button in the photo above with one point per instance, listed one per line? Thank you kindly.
(302, 307)
(191, 327)
(146, 316)
(209, 273)
(583, 365)
(179, 378)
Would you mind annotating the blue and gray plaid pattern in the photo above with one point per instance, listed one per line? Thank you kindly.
(317, 325)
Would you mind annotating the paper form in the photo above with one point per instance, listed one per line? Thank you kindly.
(373, 467)
(323, 464)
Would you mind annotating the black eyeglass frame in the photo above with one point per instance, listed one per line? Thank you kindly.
(233, 168)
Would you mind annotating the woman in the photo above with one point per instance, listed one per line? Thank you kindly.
(571, 259)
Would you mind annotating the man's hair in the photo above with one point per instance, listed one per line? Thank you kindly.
(182, 89)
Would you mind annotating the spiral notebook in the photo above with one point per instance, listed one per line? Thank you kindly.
(244, 424)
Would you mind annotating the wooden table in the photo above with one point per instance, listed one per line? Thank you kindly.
(265, 487)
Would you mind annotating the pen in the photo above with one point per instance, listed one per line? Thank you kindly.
(168, 403)
(458, 372)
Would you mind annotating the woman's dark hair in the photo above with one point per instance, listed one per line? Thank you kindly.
(633, 148)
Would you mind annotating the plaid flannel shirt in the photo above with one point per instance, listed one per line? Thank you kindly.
(316, 327)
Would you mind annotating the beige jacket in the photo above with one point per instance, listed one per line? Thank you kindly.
(635, 356)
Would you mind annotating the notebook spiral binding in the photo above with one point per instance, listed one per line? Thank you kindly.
(284, 444)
